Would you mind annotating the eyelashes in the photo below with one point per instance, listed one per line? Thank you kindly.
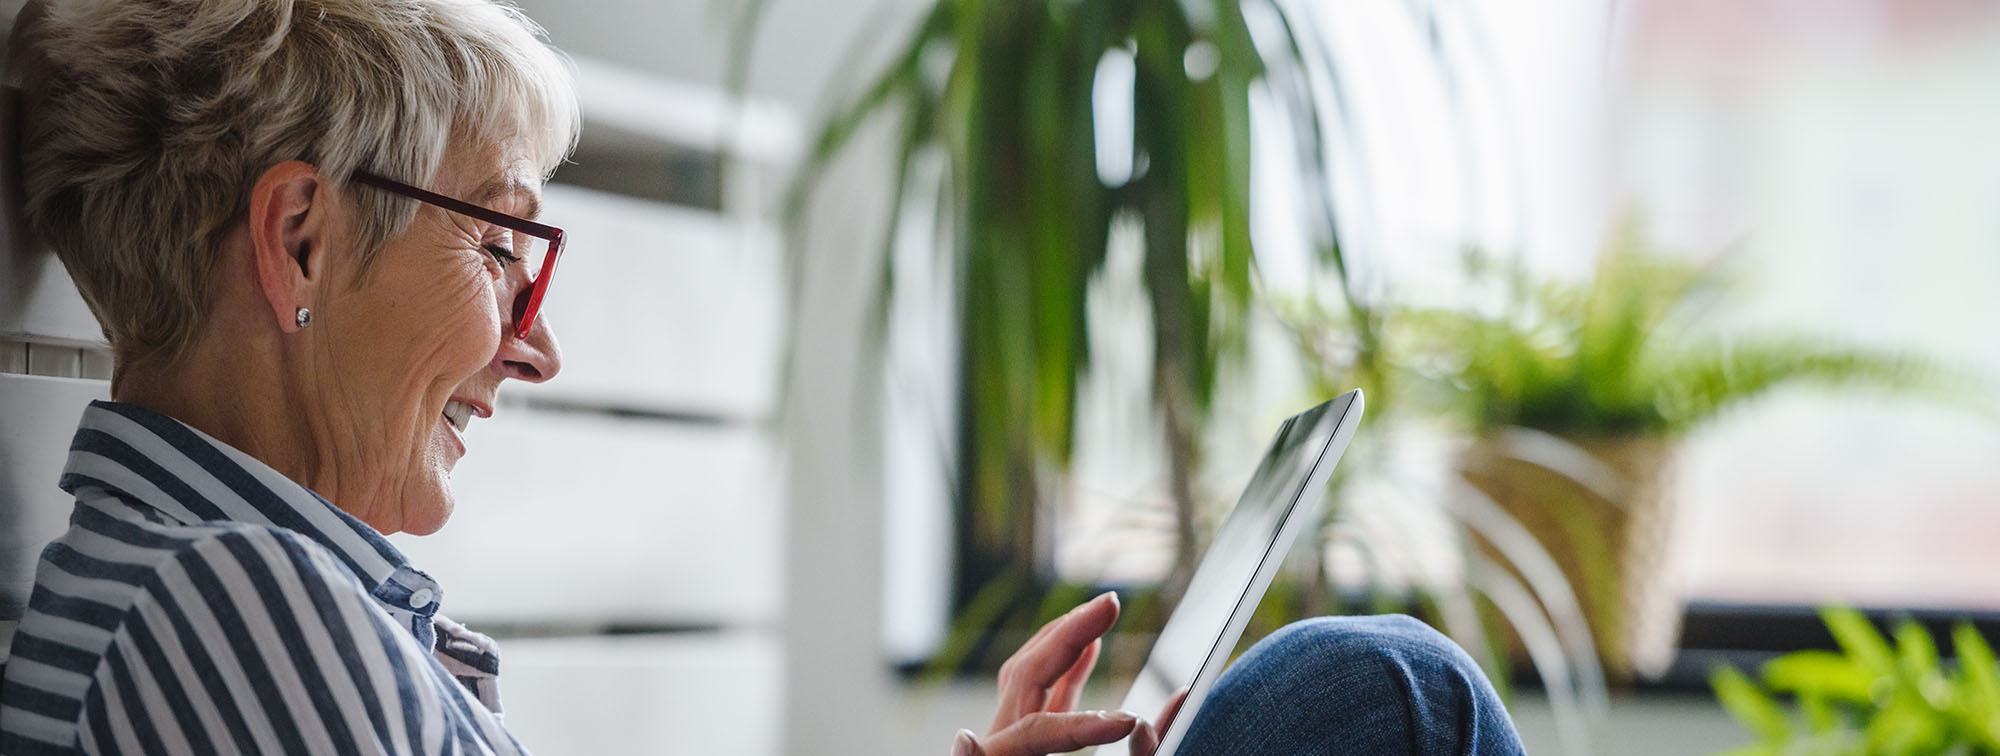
(504, 255)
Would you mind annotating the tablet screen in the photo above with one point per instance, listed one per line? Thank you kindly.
(1283, 494)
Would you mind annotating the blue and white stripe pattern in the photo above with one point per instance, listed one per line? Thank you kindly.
(201, 603)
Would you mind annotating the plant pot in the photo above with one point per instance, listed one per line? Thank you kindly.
(1611, 536)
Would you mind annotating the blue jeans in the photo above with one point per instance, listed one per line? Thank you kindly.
(1353, 686)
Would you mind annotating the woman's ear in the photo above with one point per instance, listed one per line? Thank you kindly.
(289, 208)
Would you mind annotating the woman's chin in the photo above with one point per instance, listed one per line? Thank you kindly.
(427, 495)
(422, 526)
(426, 508)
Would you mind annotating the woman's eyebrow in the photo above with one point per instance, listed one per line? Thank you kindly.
(502, 186)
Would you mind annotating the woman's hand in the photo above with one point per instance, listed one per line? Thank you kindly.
(1040, 684)
(1146, 737)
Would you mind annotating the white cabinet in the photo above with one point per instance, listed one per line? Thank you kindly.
(657, 696)
(39, 303)
(37, 417)
(575, 519)
(662, 308)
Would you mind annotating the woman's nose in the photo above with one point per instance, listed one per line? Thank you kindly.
(534, 359)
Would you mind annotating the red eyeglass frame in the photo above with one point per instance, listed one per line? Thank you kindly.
(524, 319)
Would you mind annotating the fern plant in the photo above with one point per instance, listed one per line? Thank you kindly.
(1877, 696)
(1607, 372)
(1626, 353)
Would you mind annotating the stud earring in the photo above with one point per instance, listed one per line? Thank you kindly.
(305, 317)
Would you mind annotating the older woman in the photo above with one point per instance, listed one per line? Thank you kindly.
(307, 228)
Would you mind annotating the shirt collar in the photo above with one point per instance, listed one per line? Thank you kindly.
(189, 477)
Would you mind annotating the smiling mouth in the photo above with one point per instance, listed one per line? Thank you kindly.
(459, 414)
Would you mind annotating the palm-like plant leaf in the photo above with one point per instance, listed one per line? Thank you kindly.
(1006, 93)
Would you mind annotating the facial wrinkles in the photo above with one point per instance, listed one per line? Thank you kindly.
(460, 299)
(432, 471)
(464, 305)
(380, 438)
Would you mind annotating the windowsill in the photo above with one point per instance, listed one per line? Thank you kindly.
(1747, 635)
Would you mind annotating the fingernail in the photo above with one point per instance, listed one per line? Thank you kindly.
(962, 745)
(1121, 717)
(1094, 601)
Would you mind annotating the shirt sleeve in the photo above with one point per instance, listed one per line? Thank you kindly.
(258, 640)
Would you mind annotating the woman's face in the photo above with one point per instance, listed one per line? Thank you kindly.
(423, 339)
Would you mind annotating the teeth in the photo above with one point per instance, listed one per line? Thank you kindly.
(459, 414)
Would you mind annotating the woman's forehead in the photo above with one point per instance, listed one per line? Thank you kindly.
(500, 174)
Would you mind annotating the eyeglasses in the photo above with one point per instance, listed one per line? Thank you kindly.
(535, 246)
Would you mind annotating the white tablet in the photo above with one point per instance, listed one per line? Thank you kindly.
(1283, 497)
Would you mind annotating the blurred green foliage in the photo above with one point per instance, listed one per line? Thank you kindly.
(1877, 696)
(1605, 361)
(993, 107)
(1627, 351)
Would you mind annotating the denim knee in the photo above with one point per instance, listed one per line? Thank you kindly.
(1343, 643)
(1336, 638)
(1384, 684)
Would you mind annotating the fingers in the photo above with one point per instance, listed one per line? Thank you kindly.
(1145, 740)
(1060, 646)
(1044, 733)
(1146, 736)
(1069, 688)
(1056, 647)
(1171, 710)
(966, 745)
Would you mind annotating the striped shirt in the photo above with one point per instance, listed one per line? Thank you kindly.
(201, 603)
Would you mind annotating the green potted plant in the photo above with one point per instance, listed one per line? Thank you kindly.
(1006, 93)
(1576, 395)
(1876, 696)
(995, 105)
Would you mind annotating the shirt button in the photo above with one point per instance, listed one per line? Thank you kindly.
(420, 598)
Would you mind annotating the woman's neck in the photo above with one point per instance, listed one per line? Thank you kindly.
(243, 396)
(228, 398)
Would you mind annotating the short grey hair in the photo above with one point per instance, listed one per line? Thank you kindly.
(145, 123)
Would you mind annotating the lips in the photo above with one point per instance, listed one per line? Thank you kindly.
(459, 414)
(460, 410)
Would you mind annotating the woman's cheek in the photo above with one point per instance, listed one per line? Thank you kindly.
(481, 323)
(468, 326)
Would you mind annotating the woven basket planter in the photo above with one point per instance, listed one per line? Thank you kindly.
(1612, 539)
